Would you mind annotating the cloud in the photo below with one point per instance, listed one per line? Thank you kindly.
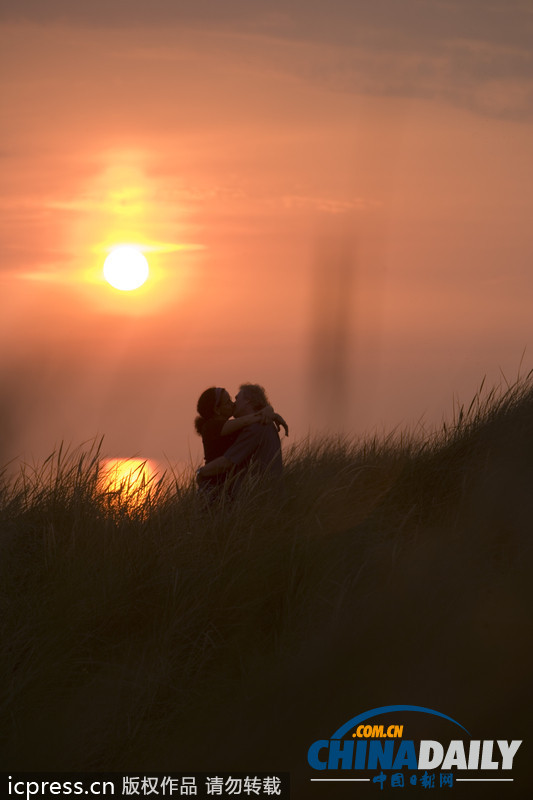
(471, 53)
(486, 79)
(125, 13)
(337, 22)
(329, 205)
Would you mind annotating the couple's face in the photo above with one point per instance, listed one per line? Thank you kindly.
(227, 408)
(241, 407)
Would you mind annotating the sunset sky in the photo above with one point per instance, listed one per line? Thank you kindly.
(335, 200)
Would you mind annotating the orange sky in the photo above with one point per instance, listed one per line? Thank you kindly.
(250, 148)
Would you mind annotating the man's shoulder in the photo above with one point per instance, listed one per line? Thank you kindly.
(258, 430)
(251, 440)
(264, 437)
(250, 430)
(257, 443)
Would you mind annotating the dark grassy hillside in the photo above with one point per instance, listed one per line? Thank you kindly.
(174, 636)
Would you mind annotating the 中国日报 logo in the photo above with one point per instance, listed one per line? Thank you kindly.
(372, 742)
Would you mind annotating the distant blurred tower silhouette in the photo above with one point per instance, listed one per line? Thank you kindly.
(331, 328)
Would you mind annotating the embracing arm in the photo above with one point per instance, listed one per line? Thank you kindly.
(236, 424)
(215, 467)
(279, 422)
(238, 454)
(265, 416)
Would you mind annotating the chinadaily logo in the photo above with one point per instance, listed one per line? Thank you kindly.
(380, 747)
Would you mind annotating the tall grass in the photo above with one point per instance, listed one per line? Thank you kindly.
(169, 633)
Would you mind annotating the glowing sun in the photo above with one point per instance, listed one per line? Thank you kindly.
(126, 268)
(128, 480)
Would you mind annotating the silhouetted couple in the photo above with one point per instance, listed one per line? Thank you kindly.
(237, 436)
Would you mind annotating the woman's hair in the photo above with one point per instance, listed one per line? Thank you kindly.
(206, 406)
